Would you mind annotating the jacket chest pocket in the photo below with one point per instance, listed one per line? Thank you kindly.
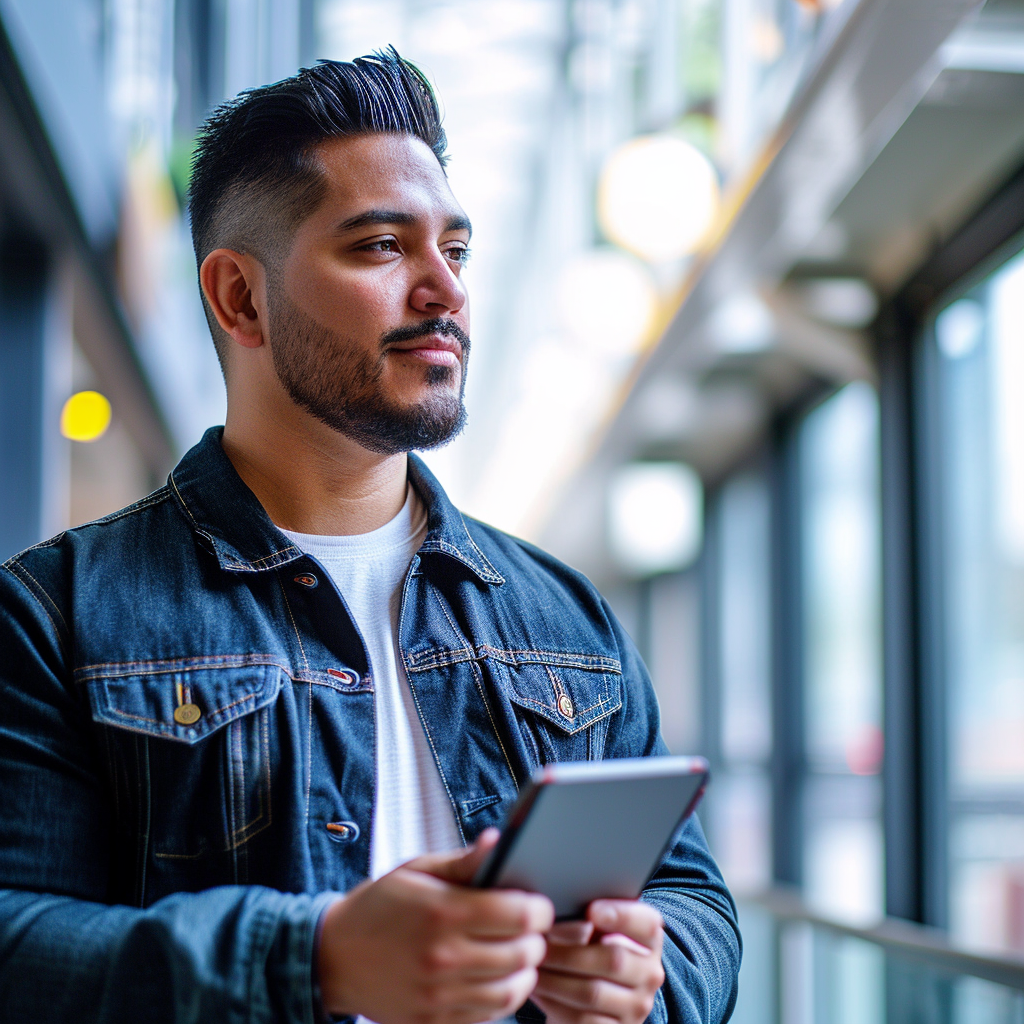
(562, 712)
(189, 752)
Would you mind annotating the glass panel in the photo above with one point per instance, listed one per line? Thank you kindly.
(673, 657)
(741, 804)
(745, 650)
(798, 972)
(980, 347)
(842, 670)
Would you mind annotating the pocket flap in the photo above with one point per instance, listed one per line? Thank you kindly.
(569, 698)
(206, 698)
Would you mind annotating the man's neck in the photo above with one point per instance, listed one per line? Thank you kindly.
(311, 479)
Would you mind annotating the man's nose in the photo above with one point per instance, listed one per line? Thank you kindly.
(438, 290)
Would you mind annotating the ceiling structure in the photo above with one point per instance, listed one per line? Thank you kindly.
(909, 117)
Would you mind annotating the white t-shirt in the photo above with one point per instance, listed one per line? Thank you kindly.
(412, 812)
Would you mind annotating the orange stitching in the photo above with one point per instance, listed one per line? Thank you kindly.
(174, 483)
(159, 495)
(216, 713)
(162, 667)
(563, 659)
(497, 577)
(478, 680)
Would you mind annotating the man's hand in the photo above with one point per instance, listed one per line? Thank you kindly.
(418, 946)
(606, 969)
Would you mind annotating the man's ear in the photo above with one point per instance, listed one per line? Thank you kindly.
(234, 286)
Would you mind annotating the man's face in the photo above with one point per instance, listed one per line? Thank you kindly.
(368, 318)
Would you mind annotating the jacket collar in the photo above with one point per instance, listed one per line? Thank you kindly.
(232, 524)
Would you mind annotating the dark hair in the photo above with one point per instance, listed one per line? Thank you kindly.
(254, 173)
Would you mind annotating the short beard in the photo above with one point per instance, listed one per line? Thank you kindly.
(341, 387)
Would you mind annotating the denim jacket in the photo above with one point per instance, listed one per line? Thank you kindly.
(187, 749)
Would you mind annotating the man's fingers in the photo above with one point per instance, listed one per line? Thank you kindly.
(571, 933)
(589, 995)
(638, 921)
(496, 914)
(481, 913)
(559, 1013)
(495, 998)
(610, 961)
(458, 866)
(483, 961)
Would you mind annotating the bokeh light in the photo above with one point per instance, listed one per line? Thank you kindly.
(85, 416)
(657, 197)
(655, 517)
(606, 301)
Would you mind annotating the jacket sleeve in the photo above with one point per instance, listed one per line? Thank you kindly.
(233, 954)
(702, 941)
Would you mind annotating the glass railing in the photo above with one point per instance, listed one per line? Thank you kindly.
(802, 968)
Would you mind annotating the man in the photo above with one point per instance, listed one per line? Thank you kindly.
(257, 727)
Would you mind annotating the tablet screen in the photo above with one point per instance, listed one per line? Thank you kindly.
(586, 830)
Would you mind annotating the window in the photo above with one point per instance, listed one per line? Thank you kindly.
(842, 673)
(740, 800)
(979, 350)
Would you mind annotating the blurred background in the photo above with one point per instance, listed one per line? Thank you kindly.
(748, 321)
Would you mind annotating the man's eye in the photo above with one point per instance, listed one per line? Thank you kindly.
(458, 254)
(382, 245)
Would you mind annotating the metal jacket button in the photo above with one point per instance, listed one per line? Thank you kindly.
(565, 706)
(343, 831)
(187, 714)
(306, 579)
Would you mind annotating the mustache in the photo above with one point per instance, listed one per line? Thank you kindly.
(438, 325)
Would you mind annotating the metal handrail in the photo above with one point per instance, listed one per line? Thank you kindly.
(904, 939)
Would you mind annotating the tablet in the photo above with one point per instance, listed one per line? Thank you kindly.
(583, 830)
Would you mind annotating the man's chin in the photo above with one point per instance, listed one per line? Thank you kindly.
(392, 429)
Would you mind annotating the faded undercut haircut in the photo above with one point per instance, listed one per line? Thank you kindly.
(255, 173)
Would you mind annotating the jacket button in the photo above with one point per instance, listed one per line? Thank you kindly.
(565, 706)
(306, 579)
(187, 714)
(343, 831)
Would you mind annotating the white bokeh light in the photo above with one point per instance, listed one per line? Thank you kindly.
(655, 517)
(606, 301)
(657, 197)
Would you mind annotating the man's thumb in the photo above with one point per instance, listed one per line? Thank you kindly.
(459, 866)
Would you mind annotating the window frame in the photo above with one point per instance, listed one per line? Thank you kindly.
(916, 814)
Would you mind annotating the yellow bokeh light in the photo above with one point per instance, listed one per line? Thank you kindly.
(85, 416)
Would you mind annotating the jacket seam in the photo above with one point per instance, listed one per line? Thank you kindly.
(272, 560)
(587, 662)
(574, 723)
(446, 547)
(477, 679)
(159, 496)
(496, 576)
(15, 568)
(158, 721)
(48, 543)
(164, 666)
(309, 703)
(263, 562)
(419, 711)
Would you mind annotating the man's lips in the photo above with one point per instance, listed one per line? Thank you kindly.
(437, 349)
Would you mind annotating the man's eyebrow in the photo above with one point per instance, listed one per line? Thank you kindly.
(362, 220)
(459, 223)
